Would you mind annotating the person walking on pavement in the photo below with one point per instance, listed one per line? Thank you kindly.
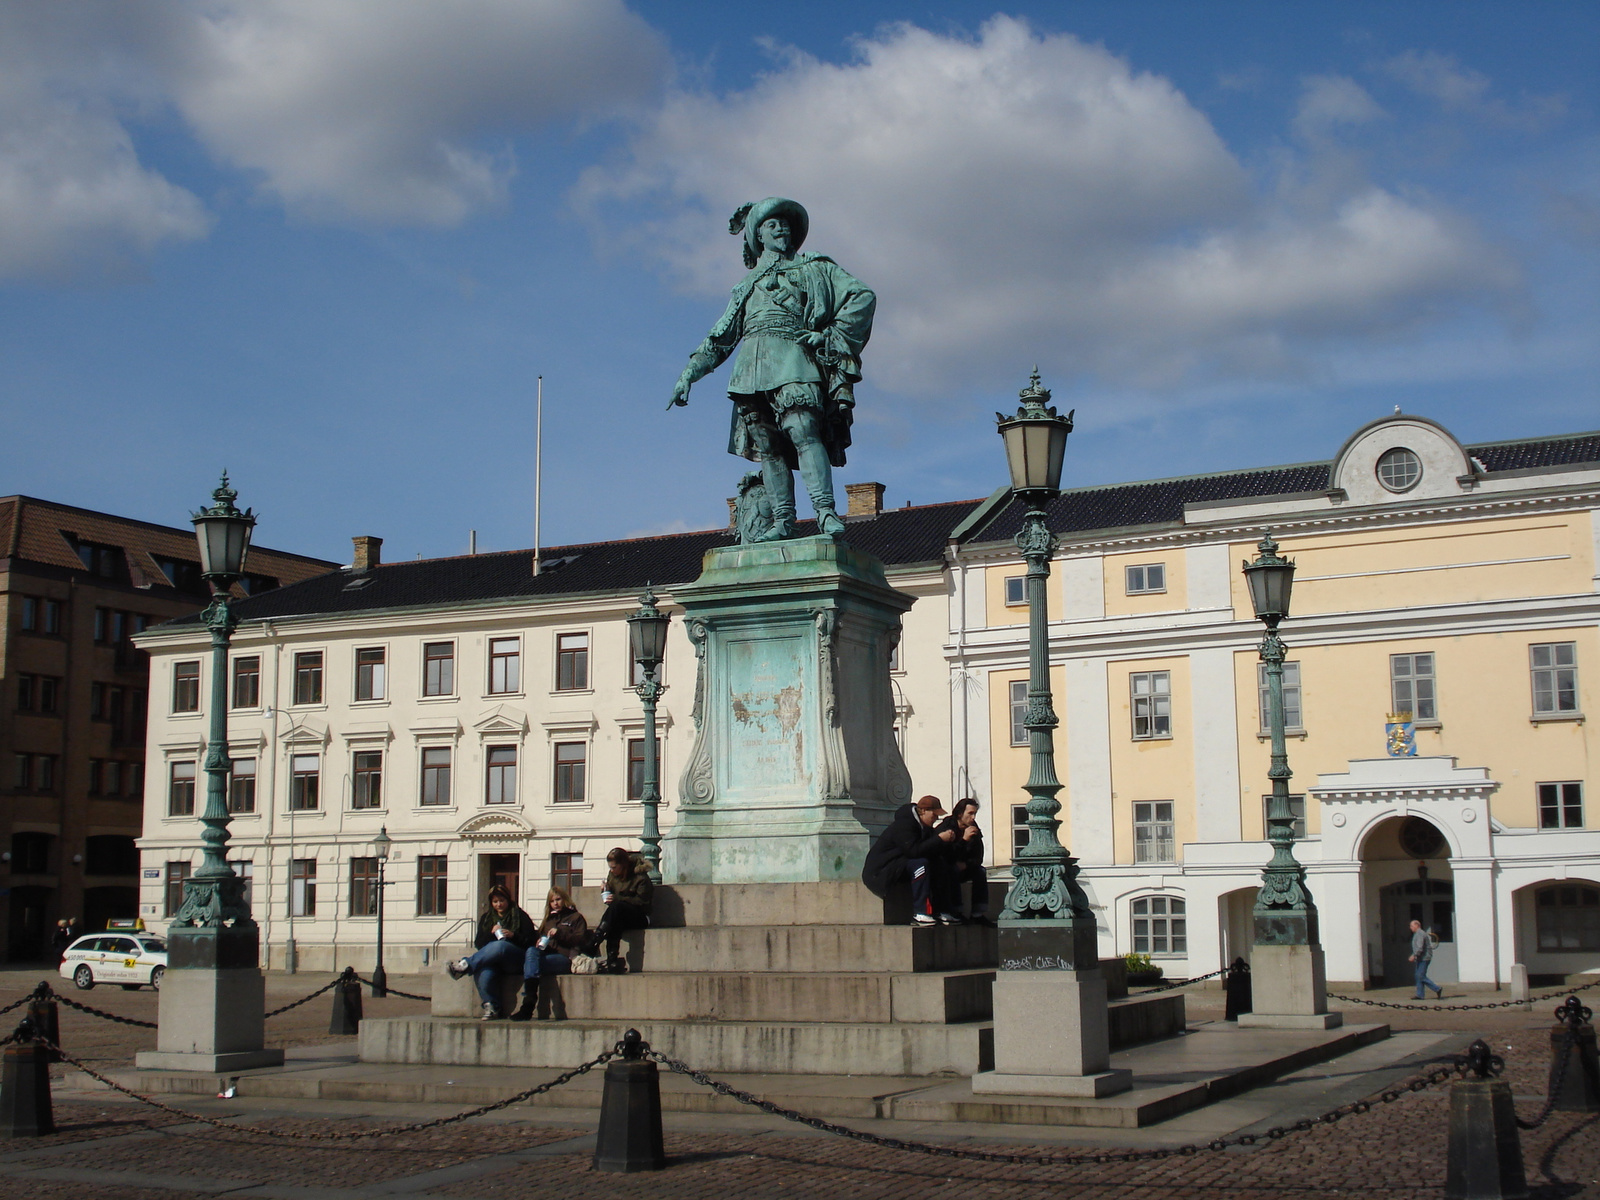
(1422, 955)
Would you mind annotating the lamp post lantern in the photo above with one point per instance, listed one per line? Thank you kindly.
(1044, 873)
(647, 633)
(1284, 912)
(381, 845)
(214, 895)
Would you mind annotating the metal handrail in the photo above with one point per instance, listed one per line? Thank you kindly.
(467, 921)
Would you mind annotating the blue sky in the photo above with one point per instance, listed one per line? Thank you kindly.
(331, 246)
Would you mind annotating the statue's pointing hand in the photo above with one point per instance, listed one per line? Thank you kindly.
(680, 392)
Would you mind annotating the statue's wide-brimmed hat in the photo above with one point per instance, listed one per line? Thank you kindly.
(774, 206)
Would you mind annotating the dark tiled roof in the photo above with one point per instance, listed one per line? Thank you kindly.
(1161, 501)
(41, 531)
(898, 537)
(1538, 452)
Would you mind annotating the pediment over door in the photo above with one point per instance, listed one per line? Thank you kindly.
(495, 827)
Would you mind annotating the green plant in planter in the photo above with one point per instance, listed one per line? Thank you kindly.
(1141, 970)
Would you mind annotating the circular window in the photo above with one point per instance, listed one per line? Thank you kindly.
(1421, 839)
(1399, 469)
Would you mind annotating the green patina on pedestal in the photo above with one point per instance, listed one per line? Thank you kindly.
(795, 767)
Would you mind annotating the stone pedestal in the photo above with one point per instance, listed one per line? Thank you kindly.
(795, 767)
(1051, 1036)
(1289, 989)
(213, 1001)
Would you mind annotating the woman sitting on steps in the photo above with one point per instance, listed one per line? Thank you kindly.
(562, 935)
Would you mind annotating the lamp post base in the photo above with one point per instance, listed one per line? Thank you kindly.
(1052, 1036)
(1289, 989)
(1105, 1083)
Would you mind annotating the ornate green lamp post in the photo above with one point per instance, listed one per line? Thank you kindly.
(1287, 971)
(1284, 912)
(213, 997)
(381, 846)
(1049, 950)
(647, 631)
(214, 895)
(1045, 886)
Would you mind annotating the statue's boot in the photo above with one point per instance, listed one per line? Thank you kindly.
(779, 483)
(818, 474)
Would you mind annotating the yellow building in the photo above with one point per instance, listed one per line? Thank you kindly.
(1454, 583)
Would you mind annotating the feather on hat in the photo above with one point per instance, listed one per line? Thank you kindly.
(747, 220)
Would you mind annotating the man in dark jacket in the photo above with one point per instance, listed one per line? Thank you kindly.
(627, 895)
(966, 858)
(912, 849)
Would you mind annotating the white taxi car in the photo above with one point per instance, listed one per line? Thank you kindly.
(131, 959)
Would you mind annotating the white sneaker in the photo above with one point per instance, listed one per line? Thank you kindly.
(457, 969)
(490, 1013)
(950, 919)
(922, 920)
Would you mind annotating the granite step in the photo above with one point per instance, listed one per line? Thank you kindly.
(847, 998)
(813, 949)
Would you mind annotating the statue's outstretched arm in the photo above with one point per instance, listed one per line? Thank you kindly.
(710, 354)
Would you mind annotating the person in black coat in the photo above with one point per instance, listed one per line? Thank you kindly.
(505, 932)
(966, 858)
(911, 848)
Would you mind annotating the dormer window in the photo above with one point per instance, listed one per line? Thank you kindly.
(1399, 469)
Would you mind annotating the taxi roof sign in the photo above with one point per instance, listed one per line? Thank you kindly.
(126, 924)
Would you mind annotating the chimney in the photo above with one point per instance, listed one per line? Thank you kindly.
(367, 553)
(865, 499)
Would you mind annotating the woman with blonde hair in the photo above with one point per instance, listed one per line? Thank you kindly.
(561, 935)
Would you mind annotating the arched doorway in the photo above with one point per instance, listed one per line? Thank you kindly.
(1405, 877)
(1236, 920)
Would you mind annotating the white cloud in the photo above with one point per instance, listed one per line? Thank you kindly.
(1459, 89)
(387, 110)
(1016, 196)
(374, 111)
(1330, 100)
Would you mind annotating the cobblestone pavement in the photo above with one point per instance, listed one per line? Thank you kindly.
(115, 1150)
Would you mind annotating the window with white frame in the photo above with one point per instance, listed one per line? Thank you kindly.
(367, 778)
(1019, 712)
(635, 769)
(308, 677)
(242, 786)
(1399, 469)
(1146, 577)
(502, 775)
(572, 662)
(1159, 925)
(1019, 828)
(1561, 805)
(305, 782)
(247, 681)
(1292, 716)
(1555, 678)
(1297, 809)
(372, 673)
(505, 665)
(435, 775)
(303, 887)
(438, 668)
(180, 790)
(1016, 590)
(571, 762)
(1412, 687)
(1152, 703)
(1153, 840)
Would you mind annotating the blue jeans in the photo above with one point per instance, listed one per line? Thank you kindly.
(1422, 979)
(500, 957)
(539, 962)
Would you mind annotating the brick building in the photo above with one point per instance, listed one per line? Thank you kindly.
(75, 586)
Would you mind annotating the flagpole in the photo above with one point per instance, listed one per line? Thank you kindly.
(538, 467)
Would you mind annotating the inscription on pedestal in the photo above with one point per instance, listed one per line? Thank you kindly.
(765, 709)
(1046, 946)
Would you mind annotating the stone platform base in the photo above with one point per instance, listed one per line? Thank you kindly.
(1290, 1020)
(1105, 1083)
(242, 1060)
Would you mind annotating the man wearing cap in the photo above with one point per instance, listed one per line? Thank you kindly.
(911, 849)
(800, 322)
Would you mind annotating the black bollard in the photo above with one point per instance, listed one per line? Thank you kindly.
(25, 1089)
(346, 1005)
(630, 1112)
(1236, 987)
(1574, 1060)
(1485, 1155)
(43, 1011)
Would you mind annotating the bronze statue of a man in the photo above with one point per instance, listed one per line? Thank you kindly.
(800, 322)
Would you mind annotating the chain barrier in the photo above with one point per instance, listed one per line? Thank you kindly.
(1168, 987)
(1437, 1007)
(1568, 1044)
(46, 993)
(1416, 1084)
(25, 1032)
(394, 991)
(327, 987)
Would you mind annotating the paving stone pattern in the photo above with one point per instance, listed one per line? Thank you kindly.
(108, 1149)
